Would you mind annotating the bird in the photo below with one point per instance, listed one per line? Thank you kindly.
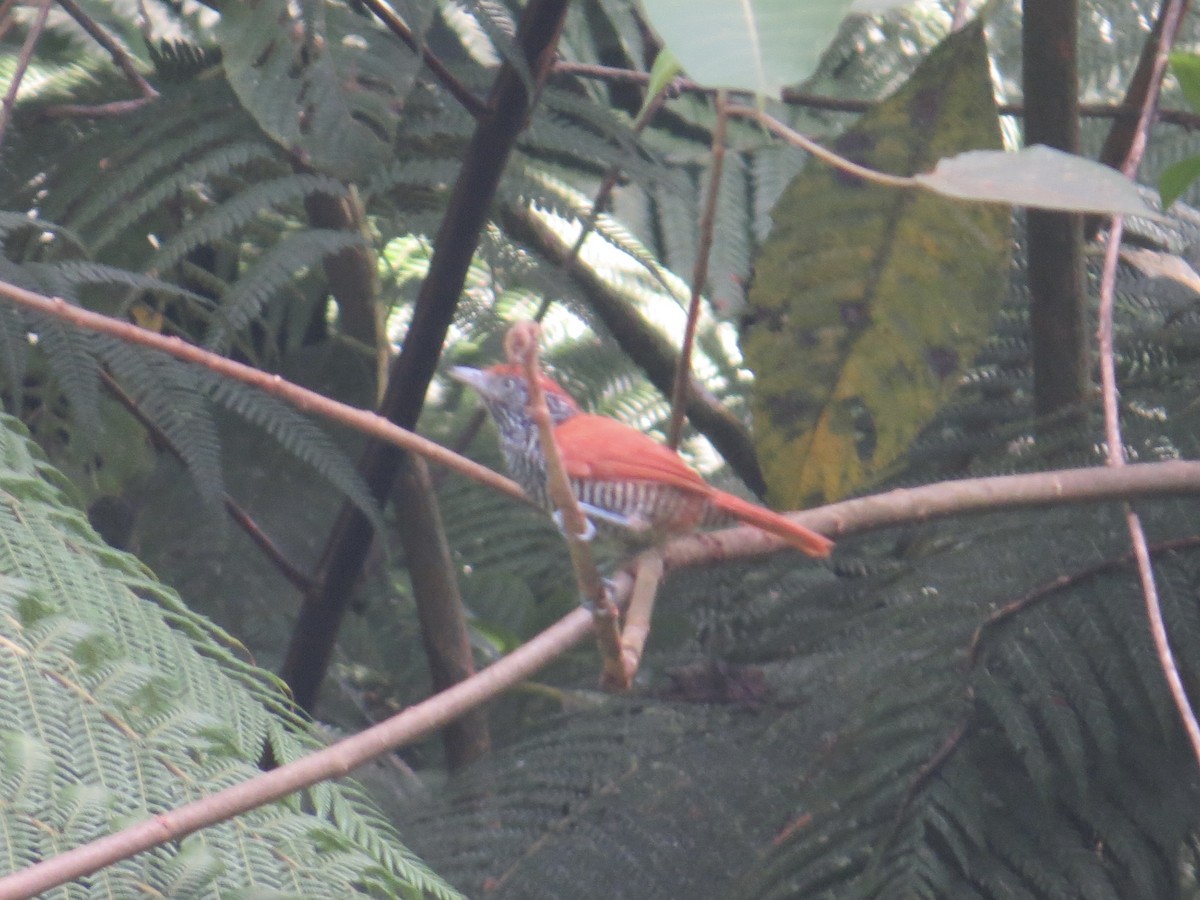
(627, 484)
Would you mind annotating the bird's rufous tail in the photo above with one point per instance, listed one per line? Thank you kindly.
(803, 539)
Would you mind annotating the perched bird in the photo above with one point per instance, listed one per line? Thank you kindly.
(624, 480)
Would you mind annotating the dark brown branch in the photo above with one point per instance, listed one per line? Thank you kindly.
(645, 346)
(1121, 136)
(1057, 297)
(439, 604)
(397, 26)
(484, 159)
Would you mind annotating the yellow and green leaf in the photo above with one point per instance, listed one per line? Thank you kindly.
(868, 303)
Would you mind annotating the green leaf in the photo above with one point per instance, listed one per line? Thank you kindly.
(324, 83)
(1186, 68)
(868, 303)
(119, 703)
(753, 45)
(666, 67)
(1177, 178)
(1040, 177)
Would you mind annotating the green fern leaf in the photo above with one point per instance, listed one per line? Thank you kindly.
(170, 393)
(295, 433)
(274, 270)
(119, 704)
(223, 221)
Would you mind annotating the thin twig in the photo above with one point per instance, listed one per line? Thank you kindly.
(794, 97)
(243, 519)
(120, 57)
(599, 202)
(824, 154)
(962, 9)
(27, 48)
(1060, 583)
(648, 576)
(708, 219)
(521, 348)
(1108, 381)
(459, 91)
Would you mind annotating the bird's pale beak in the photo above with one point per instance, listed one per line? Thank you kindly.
(475, 378)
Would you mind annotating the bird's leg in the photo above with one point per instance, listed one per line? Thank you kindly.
(648, 573)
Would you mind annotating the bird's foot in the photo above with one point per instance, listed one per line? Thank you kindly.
(587, 535)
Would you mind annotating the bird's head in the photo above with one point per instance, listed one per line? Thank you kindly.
(505, 391)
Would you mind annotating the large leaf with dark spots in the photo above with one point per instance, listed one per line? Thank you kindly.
(869, 302)
(325, 83)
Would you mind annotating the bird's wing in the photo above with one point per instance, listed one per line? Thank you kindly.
(603, 449)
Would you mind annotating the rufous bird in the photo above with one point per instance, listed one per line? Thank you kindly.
(625, 481)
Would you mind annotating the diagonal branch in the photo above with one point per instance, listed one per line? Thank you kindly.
(305, 400)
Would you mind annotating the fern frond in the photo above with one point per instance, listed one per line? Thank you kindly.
(497, 23)
(275, 269)
(118, 704)
(170, 393)
(221, 161)
(296, 434)
(71, 275)
(160, 158)
(70, 357)
(236, 212)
